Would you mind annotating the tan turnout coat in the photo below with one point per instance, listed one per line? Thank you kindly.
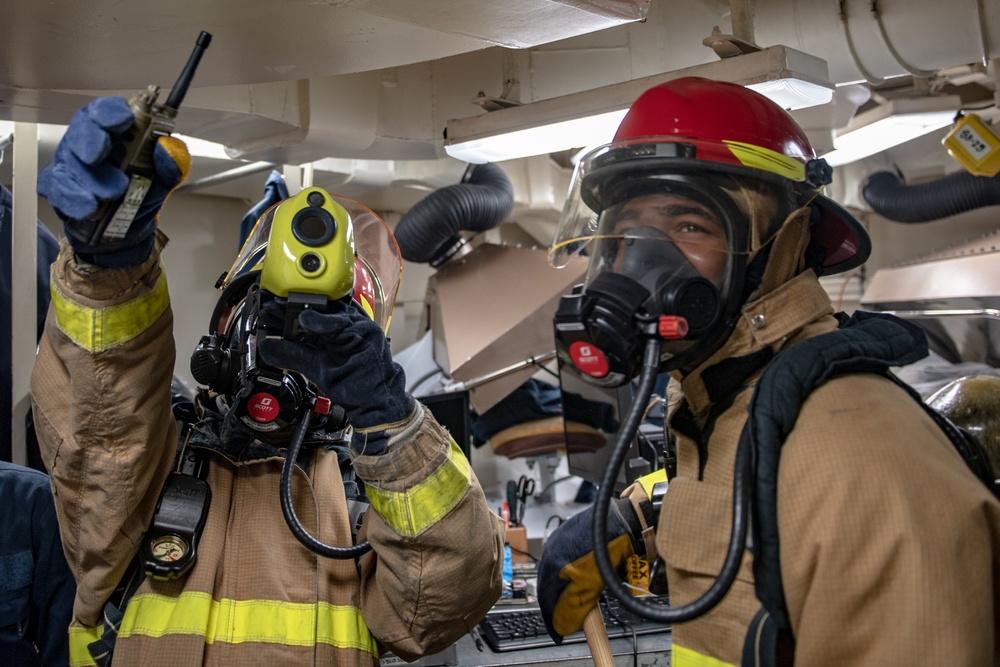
(890, 547)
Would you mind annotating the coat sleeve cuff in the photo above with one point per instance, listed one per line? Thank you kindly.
(419, 479)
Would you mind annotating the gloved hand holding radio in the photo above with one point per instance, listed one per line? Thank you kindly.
(569, 583)
(81, 176)
(347, 356)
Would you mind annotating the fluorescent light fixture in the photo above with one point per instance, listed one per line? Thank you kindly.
(552, 138)
(890, 124)
(197, 147)
(793, 79)
(792, 93)
(203, 148)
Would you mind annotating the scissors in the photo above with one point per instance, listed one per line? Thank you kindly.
(517, 496)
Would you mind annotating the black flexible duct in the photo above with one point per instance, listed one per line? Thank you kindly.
(479, 203)
(956, 193)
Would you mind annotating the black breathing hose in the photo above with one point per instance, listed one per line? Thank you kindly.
(300, 533)
(737, 540)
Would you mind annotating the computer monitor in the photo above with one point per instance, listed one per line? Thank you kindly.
(593, 416)
(452, 411)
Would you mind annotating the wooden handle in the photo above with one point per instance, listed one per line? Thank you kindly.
(597, 639)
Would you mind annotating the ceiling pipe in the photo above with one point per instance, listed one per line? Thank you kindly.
(861, 40)
(226, 176)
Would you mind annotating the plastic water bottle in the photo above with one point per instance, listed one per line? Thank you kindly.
(508, 574)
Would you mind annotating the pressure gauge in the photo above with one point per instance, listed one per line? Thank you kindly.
(168, 548)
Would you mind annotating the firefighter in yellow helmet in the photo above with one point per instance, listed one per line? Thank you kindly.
(819, 515)
(258, 552)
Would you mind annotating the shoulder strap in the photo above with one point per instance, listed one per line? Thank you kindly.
(867, 343)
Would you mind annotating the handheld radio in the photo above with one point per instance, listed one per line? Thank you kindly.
(132, 152)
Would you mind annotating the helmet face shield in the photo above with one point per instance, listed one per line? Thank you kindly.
(378, 266)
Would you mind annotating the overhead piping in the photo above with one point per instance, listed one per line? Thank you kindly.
(910, 69)
(226, 176)
(869, 77)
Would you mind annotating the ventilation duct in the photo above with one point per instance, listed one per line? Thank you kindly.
(890, 197)
(429, 232)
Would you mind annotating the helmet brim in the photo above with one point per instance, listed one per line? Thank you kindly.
(845, 241)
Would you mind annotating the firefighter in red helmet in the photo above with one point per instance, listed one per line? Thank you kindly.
(706, 232)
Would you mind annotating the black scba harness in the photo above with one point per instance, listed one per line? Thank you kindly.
(170, 545)
(865, 343)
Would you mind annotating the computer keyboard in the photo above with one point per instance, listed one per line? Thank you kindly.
(517, 629)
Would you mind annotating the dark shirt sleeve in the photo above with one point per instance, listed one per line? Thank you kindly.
(34, 570)
(54, 589)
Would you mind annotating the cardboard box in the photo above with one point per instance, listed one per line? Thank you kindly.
(517, 538)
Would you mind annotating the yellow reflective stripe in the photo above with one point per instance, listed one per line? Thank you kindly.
(412, 512)
(685, 657)
(97, 329)
(759, 157)
(647, 482)
(238, 621)
(79, 638)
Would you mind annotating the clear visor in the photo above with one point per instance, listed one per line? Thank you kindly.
(656, 235)
(659, 226)
(377, 267)
(606, 176)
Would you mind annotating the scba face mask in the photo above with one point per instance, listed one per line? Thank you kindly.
(669, 251)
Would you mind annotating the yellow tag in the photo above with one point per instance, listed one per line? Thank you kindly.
(973, 145)
(637, 573)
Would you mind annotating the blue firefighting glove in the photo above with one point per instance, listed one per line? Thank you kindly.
(80, 176)
(347, 356)
(569, 583)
